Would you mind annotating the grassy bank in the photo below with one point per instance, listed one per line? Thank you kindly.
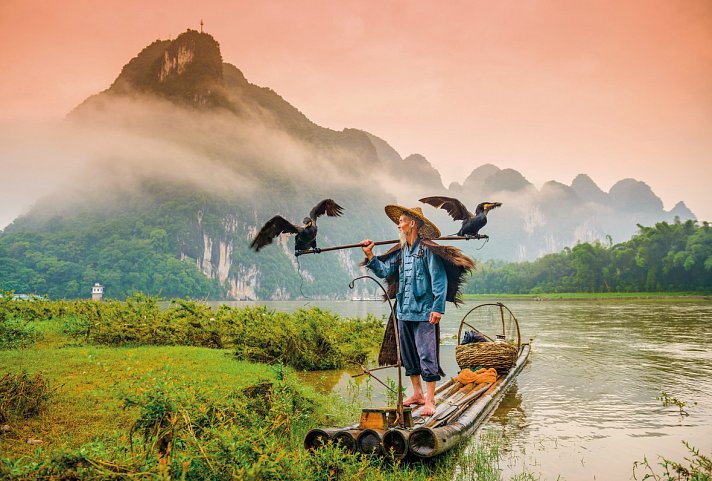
(172, 411)
(91, 383)
(111, 410)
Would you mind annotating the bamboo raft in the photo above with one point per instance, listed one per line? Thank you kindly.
(461, 408)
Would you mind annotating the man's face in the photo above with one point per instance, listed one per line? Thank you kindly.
(405, 224)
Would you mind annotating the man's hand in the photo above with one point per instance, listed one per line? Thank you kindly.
(367, 247)
(435, 317)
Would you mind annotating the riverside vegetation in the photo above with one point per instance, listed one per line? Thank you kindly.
(152, 241)
(127, 390)
(673, 257)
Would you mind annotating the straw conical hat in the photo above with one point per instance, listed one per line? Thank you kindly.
(427, 231)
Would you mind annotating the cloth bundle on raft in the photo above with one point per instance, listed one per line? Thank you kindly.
(467, 376)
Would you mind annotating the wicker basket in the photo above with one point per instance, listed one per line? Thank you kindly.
(499, 355)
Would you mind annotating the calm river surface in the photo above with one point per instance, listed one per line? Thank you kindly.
(585, 405)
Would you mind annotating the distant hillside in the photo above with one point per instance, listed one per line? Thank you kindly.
(533, 222)
(186, 159)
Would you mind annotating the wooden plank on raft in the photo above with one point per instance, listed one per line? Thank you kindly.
(449, 408)
(457, 392)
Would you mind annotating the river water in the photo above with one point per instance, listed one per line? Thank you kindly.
(585, 406)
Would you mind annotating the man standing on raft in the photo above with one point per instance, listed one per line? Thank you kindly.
(422, 275)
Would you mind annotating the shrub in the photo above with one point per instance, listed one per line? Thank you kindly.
(16, 333)
(31, 308)
(77, 326)
(141, 321)
(21, 396)
(309, 339)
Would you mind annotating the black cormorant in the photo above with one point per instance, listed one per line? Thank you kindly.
(306, 234)
(471, 223)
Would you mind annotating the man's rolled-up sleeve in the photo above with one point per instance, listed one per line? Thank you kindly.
(380, 268)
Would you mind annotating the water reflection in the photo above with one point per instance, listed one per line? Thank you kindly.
(324, 382)
(510, 411)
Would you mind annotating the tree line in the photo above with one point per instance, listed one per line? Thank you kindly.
(671, 257)
(152, 247)
(127, 248)
(152, 242)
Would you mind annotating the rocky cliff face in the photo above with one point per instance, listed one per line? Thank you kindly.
(187, 69)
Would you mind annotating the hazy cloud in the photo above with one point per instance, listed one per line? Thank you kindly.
(115, 143)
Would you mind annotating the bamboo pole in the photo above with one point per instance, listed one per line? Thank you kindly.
(380, 243)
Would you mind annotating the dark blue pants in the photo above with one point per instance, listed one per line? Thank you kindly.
(419, 349)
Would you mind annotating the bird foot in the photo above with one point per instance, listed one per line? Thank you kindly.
(317, 250)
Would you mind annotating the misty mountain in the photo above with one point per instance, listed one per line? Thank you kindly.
(533, 222)
(681, 211)
(634, 196)
(588, 191)
(185, 159)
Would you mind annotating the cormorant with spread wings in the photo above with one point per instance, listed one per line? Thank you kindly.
(306, 234)
(471, 223)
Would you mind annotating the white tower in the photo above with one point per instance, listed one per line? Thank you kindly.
(97, 292)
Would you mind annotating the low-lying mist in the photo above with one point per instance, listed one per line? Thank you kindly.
(119, 143)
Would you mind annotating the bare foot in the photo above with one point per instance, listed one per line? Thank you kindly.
(414, 399)
(428, 409)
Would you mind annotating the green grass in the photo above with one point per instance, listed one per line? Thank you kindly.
(90, 381)
(88, 430)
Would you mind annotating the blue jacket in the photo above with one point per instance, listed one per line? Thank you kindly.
(422, 282)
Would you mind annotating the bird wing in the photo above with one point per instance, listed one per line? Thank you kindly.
(275, 226)
(454, 207)
(328, 207)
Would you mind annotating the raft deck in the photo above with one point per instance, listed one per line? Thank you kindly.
(461, 408)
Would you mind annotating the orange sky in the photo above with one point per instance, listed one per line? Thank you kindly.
(611, 88)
